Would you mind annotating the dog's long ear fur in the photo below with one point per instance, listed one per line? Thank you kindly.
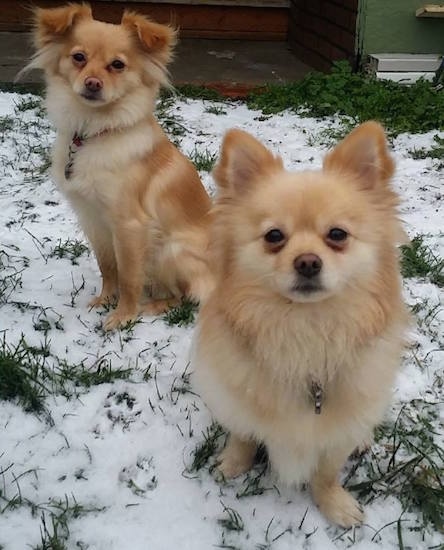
(50, 28)
(364, 154)
(53, 23)
(243, 161)
(155, 39)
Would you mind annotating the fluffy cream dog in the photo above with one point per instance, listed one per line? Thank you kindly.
(138, 199)
(299, 344)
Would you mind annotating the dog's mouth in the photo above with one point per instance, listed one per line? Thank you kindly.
(307, 287)
(307, 291)
(92, 97)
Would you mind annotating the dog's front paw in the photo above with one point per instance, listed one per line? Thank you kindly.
(236, 459)
(101, 300)
(118, 318)
(339, 506)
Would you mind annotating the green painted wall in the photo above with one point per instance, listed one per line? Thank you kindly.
(390, 26)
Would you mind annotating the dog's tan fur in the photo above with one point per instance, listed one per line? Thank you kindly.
(260, 344)
(138, 199)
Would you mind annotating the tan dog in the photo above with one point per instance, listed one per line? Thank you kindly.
(138, 199)
(299, 344)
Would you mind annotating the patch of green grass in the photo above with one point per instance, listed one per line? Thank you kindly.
(29, 374)
(20, 376)
(203, 160)
(232, 520)
(44, 154)
(418, 260)
(55, 514)
(8, 283)
(181, 386)
(43, 325)
(252, 483)
(55, 534)
(6, 124)
(168, 116)
(328, 137)
(181, 315)
(172, 123)
(411, 463)
(436, 152)
(29, 102)
(37, 89)
(215, 110)
(12, 266)
(85, 377)
(71, 249)
(13, 501)
(45, 319)
(416, 108)
(32, 151)
(199, 92)
(206, 449)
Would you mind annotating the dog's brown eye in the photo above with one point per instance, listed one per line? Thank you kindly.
(117, 64)
(336, 234)
(79, 57)
(274, 236)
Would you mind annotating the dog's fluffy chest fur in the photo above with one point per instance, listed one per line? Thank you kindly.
(102, 164)
(112, 142)
(264, 366)
(298, 343)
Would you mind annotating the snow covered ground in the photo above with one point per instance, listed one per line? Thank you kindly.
(110, 466)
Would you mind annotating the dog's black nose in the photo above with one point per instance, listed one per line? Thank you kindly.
(308, 265)
(93, 84)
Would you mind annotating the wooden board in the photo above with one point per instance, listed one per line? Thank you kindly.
(250, 3)
(197, 21)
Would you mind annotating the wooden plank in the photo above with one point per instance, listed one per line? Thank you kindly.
(235, 3)
(430, 10)
(234, 35)
(192, 20)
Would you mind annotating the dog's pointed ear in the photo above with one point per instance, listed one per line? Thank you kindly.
(364, 154)
(153, 37)
(53, 23)
(243, 161)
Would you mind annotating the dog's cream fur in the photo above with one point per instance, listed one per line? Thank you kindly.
(138, 199)
(261, 343)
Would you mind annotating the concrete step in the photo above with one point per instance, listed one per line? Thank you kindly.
(229, 65)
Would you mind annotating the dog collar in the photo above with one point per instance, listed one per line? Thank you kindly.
(77, 141)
